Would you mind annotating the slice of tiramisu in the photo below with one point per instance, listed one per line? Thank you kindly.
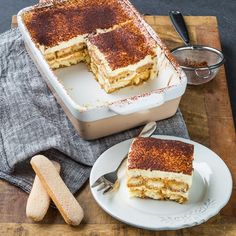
(124, 56)
(160, 169)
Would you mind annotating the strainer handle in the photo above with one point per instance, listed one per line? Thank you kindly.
(205, 76)
(179, 25)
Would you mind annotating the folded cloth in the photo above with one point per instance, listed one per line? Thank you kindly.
(32, 122)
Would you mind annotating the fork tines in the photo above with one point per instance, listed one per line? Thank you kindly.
(103, 184)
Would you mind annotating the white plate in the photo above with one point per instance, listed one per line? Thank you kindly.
(211, 190)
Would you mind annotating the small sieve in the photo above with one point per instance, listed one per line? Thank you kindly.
(200, 63)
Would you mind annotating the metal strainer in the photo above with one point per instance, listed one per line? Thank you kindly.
(200, 63)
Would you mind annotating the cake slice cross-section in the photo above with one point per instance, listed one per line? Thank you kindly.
(123, 56)
(160, 169)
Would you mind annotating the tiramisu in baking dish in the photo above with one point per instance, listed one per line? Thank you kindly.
(118, 48)
(106, 35)
(160, 169)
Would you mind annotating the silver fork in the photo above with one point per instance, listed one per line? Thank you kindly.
(108, 181)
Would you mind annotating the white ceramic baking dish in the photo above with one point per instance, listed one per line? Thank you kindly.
(92, 111)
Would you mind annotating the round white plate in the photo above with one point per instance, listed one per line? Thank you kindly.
(210, 191)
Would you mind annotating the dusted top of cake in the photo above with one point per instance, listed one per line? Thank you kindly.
(64, 20)
(125, 45)
(163, 155)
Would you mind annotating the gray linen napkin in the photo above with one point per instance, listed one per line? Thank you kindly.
(31, 122)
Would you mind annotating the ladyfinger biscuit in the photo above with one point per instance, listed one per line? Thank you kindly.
(39, 200)
(66, 203)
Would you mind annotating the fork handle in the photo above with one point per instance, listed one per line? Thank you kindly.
(124, 158)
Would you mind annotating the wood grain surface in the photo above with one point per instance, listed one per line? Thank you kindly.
(207, 112)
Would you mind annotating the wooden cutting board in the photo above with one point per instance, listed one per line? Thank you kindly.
(208, 116)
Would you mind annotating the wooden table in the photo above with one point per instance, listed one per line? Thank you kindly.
(207, 112)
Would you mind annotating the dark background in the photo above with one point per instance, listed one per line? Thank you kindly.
(225, 10)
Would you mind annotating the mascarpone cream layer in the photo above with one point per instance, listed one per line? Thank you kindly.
(63, 45)
(160, 174)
